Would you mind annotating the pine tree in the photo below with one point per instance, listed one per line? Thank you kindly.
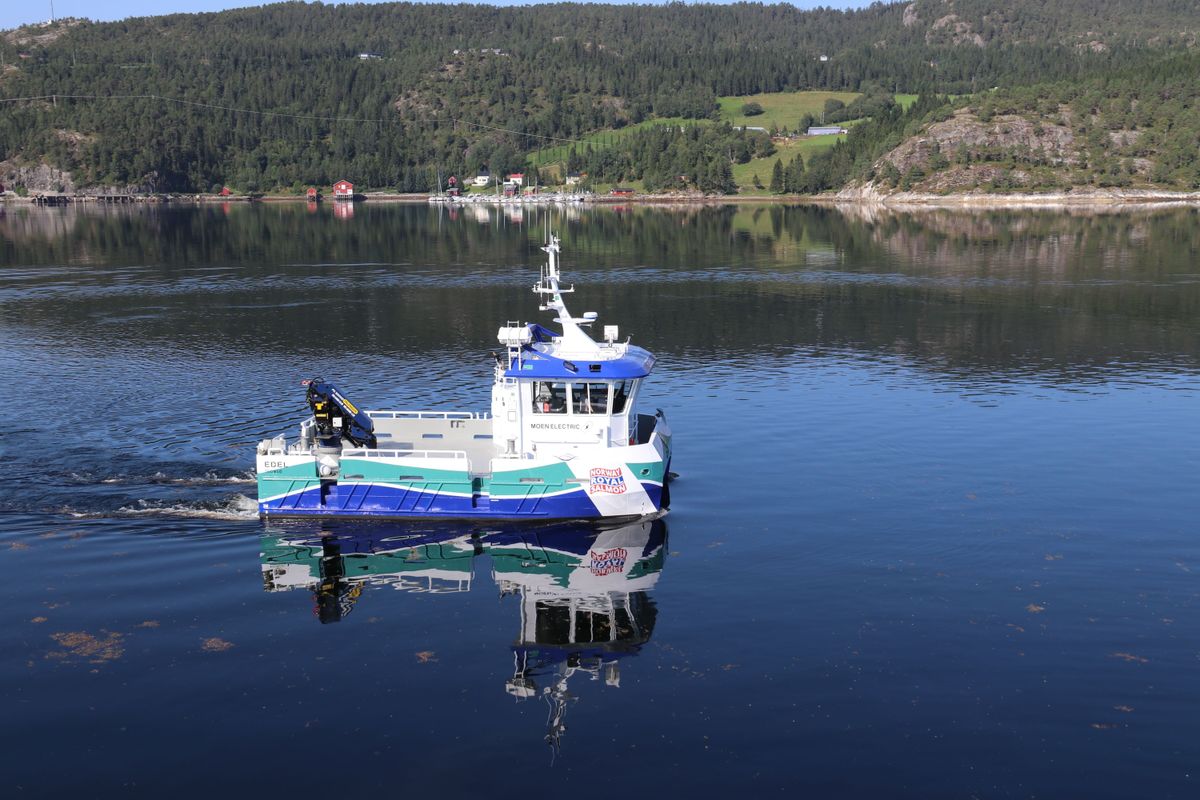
(724, 175)
(794, 180)
(777, 177)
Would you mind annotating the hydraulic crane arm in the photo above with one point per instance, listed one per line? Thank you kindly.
(337, 416)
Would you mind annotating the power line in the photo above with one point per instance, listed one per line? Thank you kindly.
(256, 112)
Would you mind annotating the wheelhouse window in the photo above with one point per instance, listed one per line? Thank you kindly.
(593, 398)
(589, 398)
(621, 392)
(549, 397)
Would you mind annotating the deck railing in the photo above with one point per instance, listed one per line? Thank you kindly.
(365, 453)
(429, 415)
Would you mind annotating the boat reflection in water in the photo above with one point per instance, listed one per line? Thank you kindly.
(584, 605)
(583, 592)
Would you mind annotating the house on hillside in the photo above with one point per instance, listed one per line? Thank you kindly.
(482, 179)
(343, 190)
(573, 178)
(826, 130)
(518, 178)
(367, 56)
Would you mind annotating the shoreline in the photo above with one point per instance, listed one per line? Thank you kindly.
(858, 197)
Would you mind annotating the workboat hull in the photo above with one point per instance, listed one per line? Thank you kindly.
(612, 483)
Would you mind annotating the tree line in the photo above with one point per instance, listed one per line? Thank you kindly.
(455, 88)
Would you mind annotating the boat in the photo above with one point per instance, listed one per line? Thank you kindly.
(563, 440)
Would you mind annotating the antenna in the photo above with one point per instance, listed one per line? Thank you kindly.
(52, 11)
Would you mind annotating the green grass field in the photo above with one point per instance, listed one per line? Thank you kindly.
(743, 174)
(780, 109)
(551, 155)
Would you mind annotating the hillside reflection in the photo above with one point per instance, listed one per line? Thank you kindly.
(581, 595)
(1040, 293)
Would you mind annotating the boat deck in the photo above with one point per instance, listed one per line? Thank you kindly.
(418, 430)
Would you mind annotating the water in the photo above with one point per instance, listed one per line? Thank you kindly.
(934, 533)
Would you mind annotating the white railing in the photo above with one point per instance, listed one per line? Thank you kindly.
(365, 453)
(429, 415)
(279, 447)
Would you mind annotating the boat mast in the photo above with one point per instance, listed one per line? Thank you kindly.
(574, 339)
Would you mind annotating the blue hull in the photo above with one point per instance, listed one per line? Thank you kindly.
(389, 502)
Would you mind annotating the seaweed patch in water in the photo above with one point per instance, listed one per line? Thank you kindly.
(80, 644)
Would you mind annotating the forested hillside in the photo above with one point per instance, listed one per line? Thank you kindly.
(293, 94)
(1136, 128)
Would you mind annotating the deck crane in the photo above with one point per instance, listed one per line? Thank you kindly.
(337, 417)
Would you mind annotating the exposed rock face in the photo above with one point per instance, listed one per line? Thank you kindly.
(36, 178)
(48, 179)
(1124, 138)
(1054, 143)
(40, 34)
(955, 152)
(1044, 150)
(950, 29)
(910, 15)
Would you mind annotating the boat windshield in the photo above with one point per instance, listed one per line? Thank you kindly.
(549, 398)
(591, 398)
(621, 392)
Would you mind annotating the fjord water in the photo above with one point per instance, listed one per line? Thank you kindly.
(934, 532)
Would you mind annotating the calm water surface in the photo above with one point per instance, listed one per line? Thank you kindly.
(935, 531)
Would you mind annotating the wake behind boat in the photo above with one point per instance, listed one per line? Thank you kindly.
(563, 439)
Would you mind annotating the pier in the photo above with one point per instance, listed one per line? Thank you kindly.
(107, 199)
